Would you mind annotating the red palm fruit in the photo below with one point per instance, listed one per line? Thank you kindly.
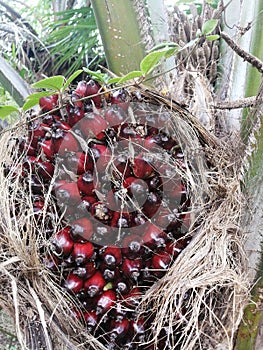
(119, 330)
(81, 229)
(85, 271)
(37, 132)
(122, 167)
(108, 274)
(152, 142)
(111, 256)
(132, 298)
(102, 155)
(127, 131)
(132, 246)
(120, 311)
(141, 167)
(47, 103)
(120, 98)
(101, 212)
(154, 237)
(122, 286)
(48, 149)
(60, 124)
(82, 252)
(45, 170)
(81, 88)
(67, 143)
(161, 261)
(136, 187)
(51, 262)
(73, 283)
(75, 100)
(151, 205)
(68, 193)
(155, 183)
(50, 119)
(106, 302)
(92, 125)
(27, 148)
(175, 248)
(167, 142)
(139, 219)
(102, 234)
(121, 220)
(91, 320)
(94, 285)
(92, 89)
(75, 115)
(86, 183)
(62, 242)
(131, 268)
(114, 116)
(85, 163)
(165, 217)
(138, 330)
(87, 202)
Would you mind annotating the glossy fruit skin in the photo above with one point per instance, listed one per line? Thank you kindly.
(94, 285)
(86, 183)
(82, 252)
(111, 256)
(108, 281)
(62, 243)
(131, 268)
(154, 237)
(81, 229)
(85, 271)
(160, 263)
(48, 103)
(91, 320)
(106, 302)
(73, 283)
(68, 192)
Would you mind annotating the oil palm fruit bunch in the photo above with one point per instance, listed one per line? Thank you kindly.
(114, 171)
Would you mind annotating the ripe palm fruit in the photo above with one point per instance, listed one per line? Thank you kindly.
(121, 205)
(94, 285)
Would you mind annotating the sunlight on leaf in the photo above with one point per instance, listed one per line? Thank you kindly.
(152, 59)
(130, 75)
(71, 78)
(209, 26)
(30, 103)
(6, 110)
(53, 83)
(212, 37)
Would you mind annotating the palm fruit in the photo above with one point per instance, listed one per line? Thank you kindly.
(122, 211)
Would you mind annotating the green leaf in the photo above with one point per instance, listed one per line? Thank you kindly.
(38, 95)
(151, 60)
(53, 83)
(71, 78)
(212, 37)
(164, 46)
(6, 110)
(30, 103)
(209, 26)
(100, 77)
(114, 80)
(130, 75)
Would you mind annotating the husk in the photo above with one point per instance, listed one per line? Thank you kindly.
(211, 270)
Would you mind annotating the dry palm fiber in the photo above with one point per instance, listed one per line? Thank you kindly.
(201, 294)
